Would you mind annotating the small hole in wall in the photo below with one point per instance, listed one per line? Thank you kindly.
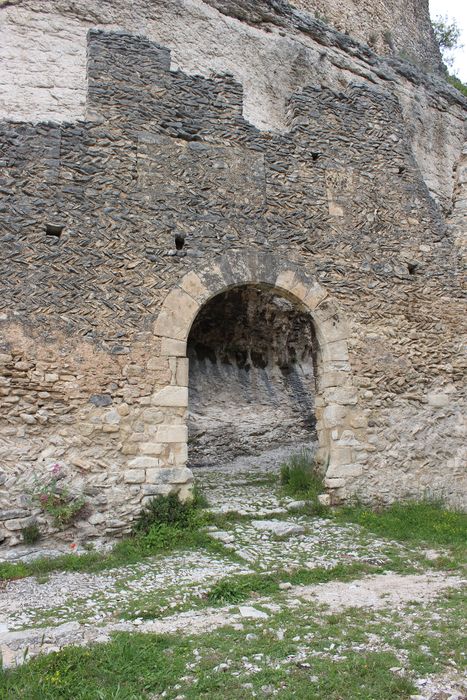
(315, 156)
(179, 241)
(401, 169)
(54, 230)
(412, 268)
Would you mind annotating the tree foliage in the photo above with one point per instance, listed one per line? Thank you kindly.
(448, 35)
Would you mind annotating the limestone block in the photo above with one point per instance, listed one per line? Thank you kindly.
(152, 415)
(169, 475)
(172, 433)
(347, 437)
(314, 296)
(134, 476)
(343, 470)
(345, 396)
(97, 518)
(123, 409)
(129, 449)
(185, 492)
(324, 499)
(286, 280)
(151, 489)
(12, 514)
(171, 396)
(332, 329)
(157, 363)
(438, 400)
(176, 316)
(85, 429)
(159, 490)
(334, 414)
(19, 523)
(330, 379)
(144, 463)
(173, 348)
(193, 286)
(112, 417)
(358, 420)
(151, 448)
(299, 290)
(181, 373)
(335, 483)
(279, 528)
(335, 351)
(179, 454)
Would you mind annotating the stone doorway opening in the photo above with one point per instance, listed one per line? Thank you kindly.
(252, 377)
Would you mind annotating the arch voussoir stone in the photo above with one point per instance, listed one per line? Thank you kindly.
(336, 399)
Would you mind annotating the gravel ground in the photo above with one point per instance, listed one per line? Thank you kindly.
(84, 608)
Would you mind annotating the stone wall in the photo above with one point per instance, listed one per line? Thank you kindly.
(98, 301)
(269, 47)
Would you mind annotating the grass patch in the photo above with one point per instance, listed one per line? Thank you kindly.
(164, 526)
(143, 666)
(457, 83)
(301, 477)
(414, 521)
(236, 589)
(301, 653)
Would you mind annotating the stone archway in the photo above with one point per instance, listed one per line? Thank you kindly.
(336, 397)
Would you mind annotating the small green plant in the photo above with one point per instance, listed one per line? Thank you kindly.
(301, 476)
(170, 510)
(457, 83)
(30, 534)
(53, 497)
(199, 499)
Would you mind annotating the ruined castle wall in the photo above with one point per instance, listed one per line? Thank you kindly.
(269, 49)
(338, 196)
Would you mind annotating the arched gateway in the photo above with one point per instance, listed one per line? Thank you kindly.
(336, 397)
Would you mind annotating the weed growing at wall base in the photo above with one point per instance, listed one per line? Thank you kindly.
(54, 498)
(301, 476)
(421, 521)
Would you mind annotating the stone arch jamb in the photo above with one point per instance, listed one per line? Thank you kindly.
(336, 397)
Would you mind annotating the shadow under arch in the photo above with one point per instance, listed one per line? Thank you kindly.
(336, 401)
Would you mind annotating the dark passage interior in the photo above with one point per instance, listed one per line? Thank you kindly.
(251, 382)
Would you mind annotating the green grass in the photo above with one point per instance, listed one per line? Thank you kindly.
(236, 589)
(425, 522)
(301, 477)
(457, 83)
(312, 658)
(299, 653)
(159, 540)
(135, 667)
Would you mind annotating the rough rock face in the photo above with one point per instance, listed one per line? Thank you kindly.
(251, 376)
(132, 205)
(394, 27)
